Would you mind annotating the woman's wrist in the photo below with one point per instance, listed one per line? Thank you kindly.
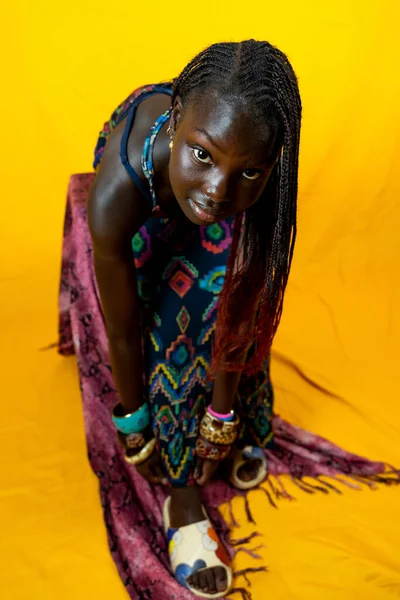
(220, 403)
(128, 372)
(224, 392)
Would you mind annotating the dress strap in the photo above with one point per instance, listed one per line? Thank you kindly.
(147, 154)
(144, 93)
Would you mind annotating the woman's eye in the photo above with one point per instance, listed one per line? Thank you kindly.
(251, 174)
(202, 156)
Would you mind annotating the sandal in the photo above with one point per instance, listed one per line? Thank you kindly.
(239, 459)
(194, 548)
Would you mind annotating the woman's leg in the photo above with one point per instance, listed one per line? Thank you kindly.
(176, 428)
(188, 269)
(255, 406)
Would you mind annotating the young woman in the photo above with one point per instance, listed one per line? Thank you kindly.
(192, 215)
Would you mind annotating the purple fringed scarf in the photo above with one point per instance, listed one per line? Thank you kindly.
(132, 507)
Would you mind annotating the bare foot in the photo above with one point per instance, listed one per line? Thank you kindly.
(250, 469)
(185, 510)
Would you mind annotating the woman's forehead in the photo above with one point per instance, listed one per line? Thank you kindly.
(223, 123)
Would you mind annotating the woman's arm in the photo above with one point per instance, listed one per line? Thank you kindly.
(225, 390)
(115, 215)
(226, 382)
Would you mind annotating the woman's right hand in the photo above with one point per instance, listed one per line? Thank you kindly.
(152, 470)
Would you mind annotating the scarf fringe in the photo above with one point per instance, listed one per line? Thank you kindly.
(357, 474)
(245, 593)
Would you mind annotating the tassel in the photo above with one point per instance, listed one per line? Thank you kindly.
(244, 540)
(234, 523)
(273, 488)
(284, 492)
(269, 496)
(244, 572)
(251, 553)
(345, 482)
(49, 347)
(392, 471)
(245, 594)
(312, 488)
(248, 512)
(329, 485)
(318, 487)
(302, 486)
(371, 484)
(386, 480)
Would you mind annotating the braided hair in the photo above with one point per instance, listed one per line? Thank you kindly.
(257, 76)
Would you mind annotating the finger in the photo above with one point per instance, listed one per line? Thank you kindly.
(198, 468)
(208, 469)
(203, 582)
(161, 479)
(158, 474)
(160, 471)
(156, 478)
(151, 477)
(211, 581)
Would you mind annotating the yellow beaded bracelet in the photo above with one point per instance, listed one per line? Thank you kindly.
(143, 455)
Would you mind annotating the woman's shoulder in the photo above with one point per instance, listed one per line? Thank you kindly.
(117, 208)
(146, 113)
(116, 201)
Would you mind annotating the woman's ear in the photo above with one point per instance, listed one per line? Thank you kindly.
(279, 156)
(176, 116)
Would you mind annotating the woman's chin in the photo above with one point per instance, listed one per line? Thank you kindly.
(198, 215)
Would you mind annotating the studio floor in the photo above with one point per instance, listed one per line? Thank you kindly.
(336, 357)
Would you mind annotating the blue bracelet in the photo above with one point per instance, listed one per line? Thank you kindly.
(135, 422)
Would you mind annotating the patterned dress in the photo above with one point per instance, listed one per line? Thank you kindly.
(181, 269)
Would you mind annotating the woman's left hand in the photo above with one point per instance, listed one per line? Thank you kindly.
(204, 471)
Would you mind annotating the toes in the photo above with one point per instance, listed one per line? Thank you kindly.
(203, 581)
(211, 581)
(193, 581)
(220, 579)
(249, 470)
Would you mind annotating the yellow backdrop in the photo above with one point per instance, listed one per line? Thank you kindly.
(65, 66)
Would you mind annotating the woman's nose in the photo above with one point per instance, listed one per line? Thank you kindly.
(216, 188)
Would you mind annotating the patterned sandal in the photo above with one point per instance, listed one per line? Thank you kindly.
(194, 548)
(239, 459)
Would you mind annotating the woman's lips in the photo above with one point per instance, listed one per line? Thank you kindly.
(203, 214)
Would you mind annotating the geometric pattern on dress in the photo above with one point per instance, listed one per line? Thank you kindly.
(176, 386)
(183, 319)
(180, 353)
(176, 460)
(208, 313)
(213, 280)
(180, 274)
(141, 246)
(206, 333)
(216, 238)
(156, 340)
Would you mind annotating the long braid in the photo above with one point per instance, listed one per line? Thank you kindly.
(258, 76)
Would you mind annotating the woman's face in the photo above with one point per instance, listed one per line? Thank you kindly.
(220, 161)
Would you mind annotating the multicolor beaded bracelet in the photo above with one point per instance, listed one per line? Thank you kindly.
(134, 422)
